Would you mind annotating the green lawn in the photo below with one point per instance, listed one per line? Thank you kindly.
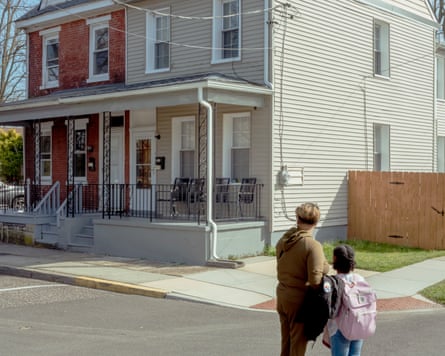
(383, 257)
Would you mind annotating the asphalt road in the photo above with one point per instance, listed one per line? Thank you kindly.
(41, 318)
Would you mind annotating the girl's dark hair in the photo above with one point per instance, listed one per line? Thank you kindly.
(344, 261)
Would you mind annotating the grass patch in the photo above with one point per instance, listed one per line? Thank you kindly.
(378, 257)
(436, 293)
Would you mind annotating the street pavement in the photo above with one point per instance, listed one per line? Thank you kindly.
(251, 286)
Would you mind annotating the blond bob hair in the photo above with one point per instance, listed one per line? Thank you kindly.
(308, 213)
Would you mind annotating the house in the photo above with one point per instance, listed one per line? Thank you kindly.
(190, 131)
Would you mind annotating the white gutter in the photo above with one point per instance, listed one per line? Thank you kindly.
(214, 228)
(266, 44)
(145, 91)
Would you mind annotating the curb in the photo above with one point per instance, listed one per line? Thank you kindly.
(88, 282)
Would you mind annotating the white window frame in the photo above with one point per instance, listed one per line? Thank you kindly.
(152, 40)
(81, 124)
(440, 78)
(46, 130)
(381, 56)
(381, 146)
(177, 142)
(49, 35)
(97, 24)
(217, 32)
(228, 141)
(441, 154)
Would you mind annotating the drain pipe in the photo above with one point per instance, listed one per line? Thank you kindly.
(267, 45)
(213, 226)
(214, 259)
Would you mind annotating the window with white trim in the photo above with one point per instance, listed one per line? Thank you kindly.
(80, 150)
(183, 140)
(50, 58)
(381, 147)
(45, 151)
(158, 40)
(440, 78)
(236, 145)
(441, 154)
(381, 48)
(226, 30)
(80, 153)
(99, 49)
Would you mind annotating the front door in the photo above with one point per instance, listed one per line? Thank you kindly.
(118, 194)
(117, 156)
(142, 173)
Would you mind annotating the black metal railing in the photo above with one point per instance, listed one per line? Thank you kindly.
(182, 202)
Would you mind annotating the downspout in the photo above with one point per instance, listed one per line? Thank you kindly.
(267, 51)
(212, 224)
(214, 259)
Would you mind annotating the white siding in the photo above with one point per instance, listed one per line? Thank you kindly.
(192, 42)
(417, 7)
(330, 101)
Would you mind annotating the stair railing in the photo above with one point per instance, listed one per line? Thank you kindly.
(50, 202)
(62, 211)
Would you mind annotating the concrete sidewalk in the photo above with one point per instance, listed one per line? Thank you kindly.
(251, 286)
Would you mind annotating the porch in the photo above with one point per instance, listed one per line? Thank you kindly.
(131, 220)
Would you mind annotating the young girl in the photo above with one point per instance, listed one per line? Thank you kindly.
(344, 263)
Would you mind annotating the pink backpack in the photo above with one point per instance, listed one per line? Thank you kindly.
(357, 316)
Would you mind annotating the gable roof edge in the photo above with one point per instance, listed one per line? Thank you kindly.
(398, 11)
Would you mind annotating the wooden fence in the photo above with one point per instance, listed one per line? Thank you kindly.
(400, 208)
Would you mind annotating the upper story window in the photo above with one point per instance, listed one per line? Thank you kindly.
(381, 147)
(183, 134)
(236, 146)
(381, 48)
(440, 79)
(99, 49)
(226, 30)
(158, 40)
(50, 58)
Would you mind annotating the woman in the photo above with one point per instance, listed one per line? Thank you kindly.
(344, 263)
(300, 263)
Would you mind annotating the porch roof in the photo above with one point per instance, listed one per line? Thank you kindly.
(217, 88)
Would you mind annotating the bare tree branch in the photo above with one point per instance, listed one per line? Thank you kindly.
(12, 50)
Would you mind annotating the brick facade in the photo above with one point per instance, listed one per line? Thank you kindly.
(74, 55)
(74, 39)
(59, 150)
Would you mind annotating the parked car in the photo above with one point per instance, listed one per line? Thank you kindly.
(12, 196)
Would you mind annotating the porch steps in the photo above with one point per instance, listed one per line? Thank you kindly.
(83, 241)
(49, 235)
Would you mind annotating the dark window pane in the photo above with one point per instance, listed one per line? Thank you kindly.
(187, 163)
(80, 140)
(79, 165)
(101, 62)
(101, 38)
(45, 144)
(240, 163)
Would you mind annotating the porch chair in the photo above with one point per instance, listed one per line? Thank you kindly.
(246, 195)
(196, 195)
(222, 198)
(222, 190)
(179, 193)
